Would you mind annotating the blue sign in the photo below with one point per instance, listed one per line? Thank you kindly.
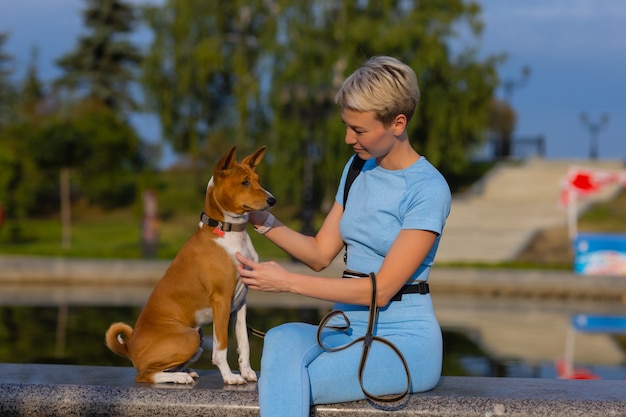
(600, 254)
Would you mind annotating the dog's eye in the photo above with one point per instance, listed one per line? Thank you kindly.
(245, 183)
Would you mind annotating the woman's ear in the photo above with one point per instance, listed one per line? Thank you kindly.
(399, 124)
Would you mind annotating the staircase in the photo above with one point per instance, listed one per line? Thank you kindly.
(498, 217)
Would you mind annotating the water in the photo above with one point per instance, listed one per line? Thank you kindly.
(75, 335)
(67, 325)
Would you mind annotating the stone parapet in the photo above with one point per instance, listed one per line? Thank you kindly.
(69, 390)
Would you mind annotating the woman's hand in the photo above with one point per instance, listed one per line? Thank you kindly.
(257, 218)
(262, 276)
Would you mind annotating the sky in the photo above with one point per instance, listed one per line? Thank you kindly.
(575, 49)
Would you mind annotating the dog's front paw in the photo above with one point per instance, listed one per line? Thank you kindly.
(233, 379)
(248, 374)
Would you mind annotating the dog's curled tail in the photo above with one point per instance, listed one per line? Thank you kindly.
(116, 338)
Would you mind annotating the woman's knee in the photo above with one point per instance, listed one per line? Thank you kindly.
(288, 342)
(289, 333)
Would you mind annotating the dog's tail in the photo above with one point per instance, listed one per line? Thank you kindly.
(116, 338)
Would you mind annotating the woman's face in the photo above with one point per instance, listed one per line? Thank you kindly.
(368, 137)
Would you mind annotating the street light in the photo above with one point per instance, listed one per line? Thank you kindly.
(594, 128)
(511, 84)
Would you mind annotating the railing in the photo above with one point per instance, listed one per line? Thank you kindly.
(517, 148)
(529, 147)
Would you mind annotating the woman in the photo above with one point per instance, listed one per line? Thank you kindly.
(391, 225)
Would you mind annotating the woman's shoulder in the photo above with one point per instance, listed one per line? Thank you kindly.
(424, 169)
(425, 177)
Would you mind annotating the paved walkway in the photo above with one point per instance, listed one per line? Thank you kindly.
(498, 218)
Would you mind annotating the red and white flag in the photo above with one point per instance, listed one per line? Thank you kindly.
(585, 181)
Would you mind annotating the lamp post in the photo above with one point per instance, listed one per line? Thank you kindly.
(509, 85)
(594, 128)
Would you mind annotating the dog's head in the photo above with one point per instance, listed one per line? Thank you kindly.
(235, 185)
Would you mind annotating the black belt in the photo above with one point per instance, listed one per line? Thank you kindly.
(419, 288)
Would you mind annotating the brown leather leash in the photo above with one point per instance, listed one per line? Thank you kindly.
(367, 339)
(255, 332)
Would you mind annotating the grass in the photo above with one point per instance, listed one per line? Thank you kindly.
(110, 235)
(97, 233)
(116, 234)
(607, 217)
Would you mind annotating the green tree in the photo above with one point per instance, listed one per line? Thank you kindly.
(88, 133)
(202, 73)
(456, 87)
(9, 167)
(34, 100)
(7, 92)
(52, 137)
(102, 65)
(94, 154)
(108, 174)
(18, 176)
(265, 72)
(502, 121)
(58, 148)
(26, 181)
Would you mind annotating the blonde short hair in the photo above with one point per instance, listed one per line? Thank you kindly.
(383, 85)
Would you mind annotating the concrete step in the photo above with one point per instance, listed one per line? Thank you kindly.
(494, 221)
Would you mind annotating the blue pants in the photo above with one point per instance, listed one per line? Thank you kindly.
(296, 372)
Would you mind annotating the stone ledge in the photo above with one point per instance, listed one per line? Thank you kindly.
(135, 273)
(65, 390)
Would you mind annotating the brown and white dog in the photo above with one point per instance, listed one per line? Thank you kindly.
(201, 285)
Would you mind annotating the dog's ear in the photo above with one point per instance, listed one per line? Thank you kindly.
(255, 159)
(227, 162)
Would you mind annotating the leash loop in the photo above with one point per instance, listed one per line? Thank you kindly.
(367, 340)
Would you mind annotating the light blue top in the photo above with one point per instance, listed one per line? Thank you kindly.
(383, 202)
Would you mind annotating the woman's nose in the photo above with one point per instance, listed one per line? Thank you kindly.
(349, 139)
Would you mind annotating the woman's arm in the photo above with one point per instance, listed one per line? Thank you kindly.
(317, 252)
(406, 254)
